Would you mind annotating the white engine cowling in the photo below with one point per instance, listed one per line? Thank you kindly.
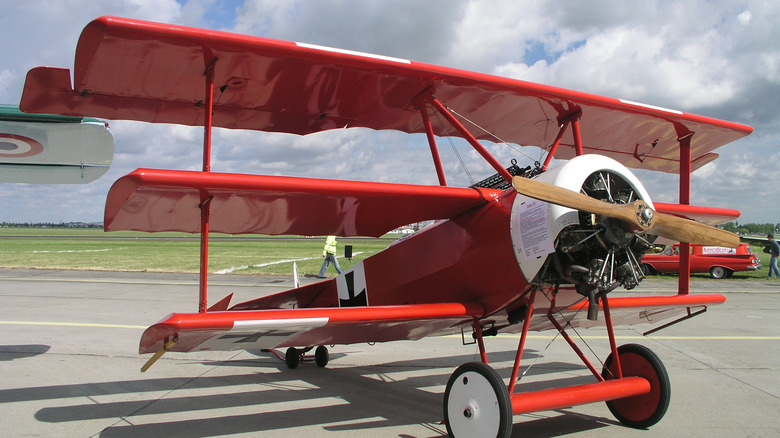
(540, 229)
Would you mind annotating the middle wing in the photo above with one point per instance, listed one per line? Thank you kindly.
(170, 200)
(706, 215)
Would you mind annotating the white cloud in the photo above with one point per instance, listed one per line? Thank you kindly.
(718, 58)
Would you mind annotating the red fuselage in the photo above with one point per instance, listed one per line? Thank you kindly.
(469, 258)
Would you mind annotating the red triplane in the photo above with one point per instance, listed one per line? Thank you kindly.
(541, 255)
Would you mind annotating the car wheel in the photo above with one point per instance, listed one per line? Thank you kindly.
(718, 272)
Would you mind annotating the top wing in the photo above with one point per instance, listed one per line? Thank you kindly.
(130, 69)
(50, 149)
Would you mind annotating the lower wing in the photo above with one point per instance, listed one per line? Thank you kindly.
(264, 329)
(227, 330)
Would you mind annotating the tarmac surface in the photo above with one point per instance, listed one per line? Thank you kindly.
(69, 367)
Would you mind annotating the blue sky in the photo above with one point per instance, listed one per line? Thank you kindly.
(725, 63)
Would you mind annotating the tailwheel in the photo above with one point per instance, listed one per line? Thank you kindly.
(477, 403)
(641, 411)
(321, 356)
(292, 357)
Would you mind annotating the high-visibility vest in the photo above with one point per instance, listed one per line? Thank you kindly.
(330, 246)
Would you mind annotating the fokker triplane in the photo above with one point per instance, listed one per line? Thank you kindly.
(539, 248)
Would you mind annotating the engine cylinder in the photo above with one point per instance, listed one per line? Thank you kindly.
(558, 244)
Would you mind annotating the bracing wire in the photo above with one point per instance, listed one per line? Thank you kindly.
(497, 138)
(455, 149)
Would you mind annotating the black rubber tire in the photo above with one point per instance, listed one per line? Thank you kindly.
(642, 411)
(475, 380)
(292, 357)
(718, 272)
(321, 356)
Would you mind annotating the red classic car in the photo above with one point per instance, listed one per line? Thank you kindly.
(720, 262)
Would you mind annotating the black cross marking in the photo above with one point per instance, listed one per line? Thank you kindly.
(359, 300)
(253, 338)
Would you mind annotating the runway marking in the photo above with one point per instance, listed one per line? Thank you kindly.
(635, 337)
(263, 265)
(73, 324)
(139, 281)
(73, 251)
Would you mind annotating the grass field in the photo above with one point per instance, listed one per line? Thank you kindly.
(94, 249)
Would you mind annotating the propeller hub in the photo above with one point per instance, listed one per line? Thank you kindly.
(644, 215)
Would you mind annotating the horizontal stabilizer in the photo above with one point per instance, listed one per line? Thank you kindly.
(168, 200)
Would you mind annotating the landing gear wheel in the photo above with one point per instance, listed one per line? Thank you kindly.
(477, 403)
(292, 357)
(321, 356)
(645, 410)
(718, 272)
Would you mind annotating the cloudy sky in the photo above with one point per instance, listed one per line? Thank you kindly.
(719, 58)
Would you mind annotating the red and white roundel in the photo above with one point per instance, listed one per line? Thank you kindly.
(18, 146)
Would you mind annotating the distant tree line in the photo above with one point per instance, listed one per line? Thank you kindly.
(762, 229)
(51, 225)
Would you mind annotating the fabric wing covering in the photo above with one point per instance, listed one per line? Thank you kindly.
(136, 70)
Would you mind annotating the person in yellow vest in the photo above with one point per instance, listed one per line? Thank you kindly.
(329, 252)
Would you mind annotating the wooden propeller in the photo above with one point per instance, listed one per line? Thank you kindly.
(638, 214)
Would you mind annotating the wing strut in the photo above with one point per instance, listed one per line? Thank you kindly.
(205, 199)
(684, 276)
(432, 143)
(437, 105)
(555, 144)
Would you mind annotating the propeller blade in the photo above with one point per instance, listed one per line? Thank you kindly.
(577, 201)
(638, 214)
(686, 230)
